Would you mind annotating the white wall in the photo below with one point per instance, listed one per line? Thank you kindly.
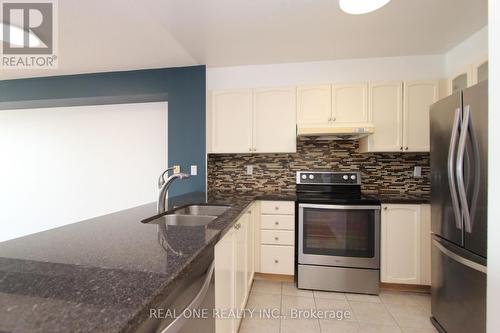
(470, 51)
(494, 165)
(63, 165)
(393, 68)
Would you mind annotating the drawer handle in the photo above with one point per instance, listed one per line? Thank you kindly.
(276, 261)
(276, 238)
(276, 223)
(276, 208)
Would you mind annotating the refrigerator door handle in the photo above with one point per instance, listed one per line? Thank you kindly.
(457, 258)
(451, 170)
(460, 169)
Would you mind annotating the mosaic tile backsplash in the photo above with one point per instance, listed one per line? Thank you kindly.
(382, 173)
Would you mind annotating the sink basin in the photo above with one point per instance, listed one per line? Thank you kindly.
(211, 210)
(185, 220)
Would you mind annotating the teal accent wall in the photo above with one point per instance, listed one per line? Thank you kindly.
(183, 87)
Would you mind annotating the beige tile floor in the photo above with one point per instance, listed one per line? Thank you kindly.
(389, 312)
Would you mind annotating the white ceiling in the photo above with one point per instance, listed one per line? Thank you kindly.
(108, 35)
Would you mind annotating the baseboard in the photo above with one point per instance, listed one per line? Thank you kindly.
(273, 277)
(405, 287)
(383, 285)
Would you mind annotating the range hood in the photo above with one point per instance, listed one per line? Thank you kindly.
(328, 132)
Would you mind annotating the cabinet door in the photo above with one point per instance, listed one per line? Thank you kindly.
(350, 103)
(418, 97)
(385, 110)
(250, 242)
(256, 235)
(231, 121)
(314, 104)
(274, 120)
(224, 281)
(241, 283)
(460, 81)
(425, 260)
(400, 244)
(480, 71)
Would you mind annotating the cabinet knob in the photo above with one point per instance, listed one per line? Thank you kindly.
(276, 208)
(385, 208)
(406, 148)
(276, 223)
(334, 119)
(276, 238)
(249, 212)
(401, 148)
(276, 261)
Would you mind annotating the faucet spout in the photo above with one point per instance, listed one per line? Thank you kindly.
(162, 194)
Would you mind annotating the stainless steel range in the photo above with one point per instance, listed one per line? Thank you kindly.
(338, 233)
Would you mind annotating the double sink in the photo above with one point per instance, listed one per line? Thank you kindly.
(190, 216)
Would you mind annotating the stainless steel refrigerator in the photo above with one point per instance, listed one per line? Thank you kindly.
(459, 162)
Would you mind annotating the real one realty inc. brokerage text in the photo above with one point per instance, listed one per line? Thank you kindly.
(272, 313)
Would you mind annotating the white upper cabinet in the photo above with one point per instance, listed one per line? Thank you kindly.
(350, 103)
(314, 104)
(480, 71)
(401, 244)
(274, 120)
(231, 121)
(252, 121)
(418, 97)
(385, 112)
(460, 80)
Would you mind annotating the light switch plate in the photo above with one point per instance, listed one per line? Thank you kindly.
(417, 171)
(194, 170)
(249, 169)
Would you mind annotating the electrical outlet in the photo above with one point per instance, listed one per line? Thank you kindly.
(177, 169)
(194, 170)
(249, 169)
(417, 171)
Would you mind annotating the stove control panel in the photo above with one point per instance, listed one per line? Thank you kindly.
(328, 178)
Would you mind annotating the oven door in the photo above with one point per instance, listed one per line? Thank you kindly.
(335, 235)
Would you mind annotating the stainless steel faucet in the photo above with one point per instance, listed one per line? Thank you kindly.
(163, 185)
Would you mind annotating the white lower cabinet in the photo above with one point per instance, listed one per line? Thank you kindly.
(277, 224)
(425, 248)
(250, 246)
(276, 259)
(225, 272)
(405, 244)
(246, 249)
(241, 283)
(233, 272)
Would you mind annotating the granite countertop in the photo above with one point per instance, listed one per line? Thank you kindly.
(104, 274)
(400, 198)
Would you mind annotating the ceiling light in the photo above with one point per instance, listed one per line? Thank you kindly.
(16, 36)
(356, 7)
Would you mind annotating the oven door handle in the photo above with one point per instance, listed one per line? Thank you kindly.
(339, 207)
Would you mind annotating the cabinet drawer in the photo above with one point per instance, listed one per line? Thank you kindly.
(277, 237)
(277, 222)
(275, 259)
(277, 207)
